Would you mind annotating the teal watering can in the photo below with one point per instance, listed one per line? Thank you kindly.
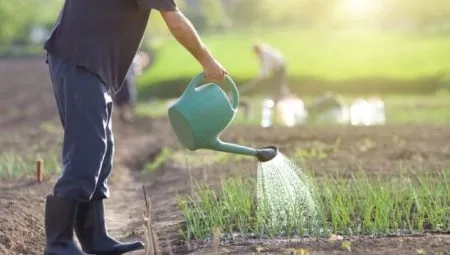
(202, 113)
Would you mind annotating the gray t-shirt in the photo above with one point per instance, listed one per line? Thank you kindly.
(103, 35)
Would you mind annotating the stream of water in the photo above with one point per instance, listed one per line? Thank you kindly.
(284, 192)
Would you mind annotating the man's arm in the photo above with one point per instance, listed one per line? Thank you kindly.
(184, 32)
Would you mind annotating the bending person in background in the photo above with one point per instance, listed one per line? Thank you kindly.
(273, 71)
(126, 97)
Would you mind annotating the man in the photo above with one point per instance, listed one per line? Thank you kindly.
(89, 53)
(126, 97)
(273, 70)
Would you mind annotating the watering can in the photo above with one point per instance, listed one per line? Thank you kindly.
(203, 112)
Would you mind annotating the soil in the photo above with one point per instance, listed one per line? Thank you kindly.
(26, 104)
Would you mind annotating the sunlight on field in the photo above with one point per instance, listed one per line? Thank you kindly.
(358, 7)
(359, 10)
(326, 55)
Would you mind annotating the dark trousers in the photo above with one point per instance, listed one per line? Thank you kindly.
(85, 109)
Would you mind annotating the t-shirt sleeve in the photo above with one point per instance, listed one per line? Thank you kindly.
(160, 5)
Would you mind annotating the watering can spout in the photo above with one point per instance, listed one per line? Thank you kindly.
(267, 153)
(262, 154)
(233, 148)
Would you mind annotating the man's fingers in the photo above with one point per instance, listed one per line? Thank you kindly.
(216, 79)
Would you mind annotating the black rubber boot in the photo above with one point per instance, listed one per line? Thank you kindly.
(91, 232)
(59, 224)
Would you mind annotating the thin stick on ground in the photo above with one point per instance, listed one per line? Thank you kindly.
(151, 247)
(39, 170)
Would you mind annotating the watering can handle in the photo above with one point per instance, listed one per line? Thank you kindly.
(196, 81)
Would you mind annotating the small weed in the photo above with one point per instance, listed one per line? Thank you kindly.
(50, 127)
(154, 108)
(336, 145)
(346, 245)
(314, 153)
(365, 144)
(162, 158)
(299, 251)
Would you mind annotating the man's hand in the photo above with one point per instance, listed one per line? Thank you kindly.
(184, 32)
(214, 71)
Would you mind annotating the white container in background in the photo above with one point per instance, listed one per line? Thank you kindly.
(378, 110)
(292, 111)
(359, 110)
(267, 112)
(367, 112)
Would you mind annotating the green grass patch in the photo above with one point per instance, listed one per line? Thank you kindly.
(159, 161)
(16, 166)
(337, 60)
(32, 50)
(360, 205)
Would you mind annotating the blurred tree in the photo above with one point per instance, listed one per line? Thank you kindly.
(18, 17)
(206, 14)
(217, 17)
(252, 12)
(12, 23)
(307, 12)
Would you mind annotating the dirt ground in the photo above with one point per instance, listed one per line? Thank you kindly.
(26, 102)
